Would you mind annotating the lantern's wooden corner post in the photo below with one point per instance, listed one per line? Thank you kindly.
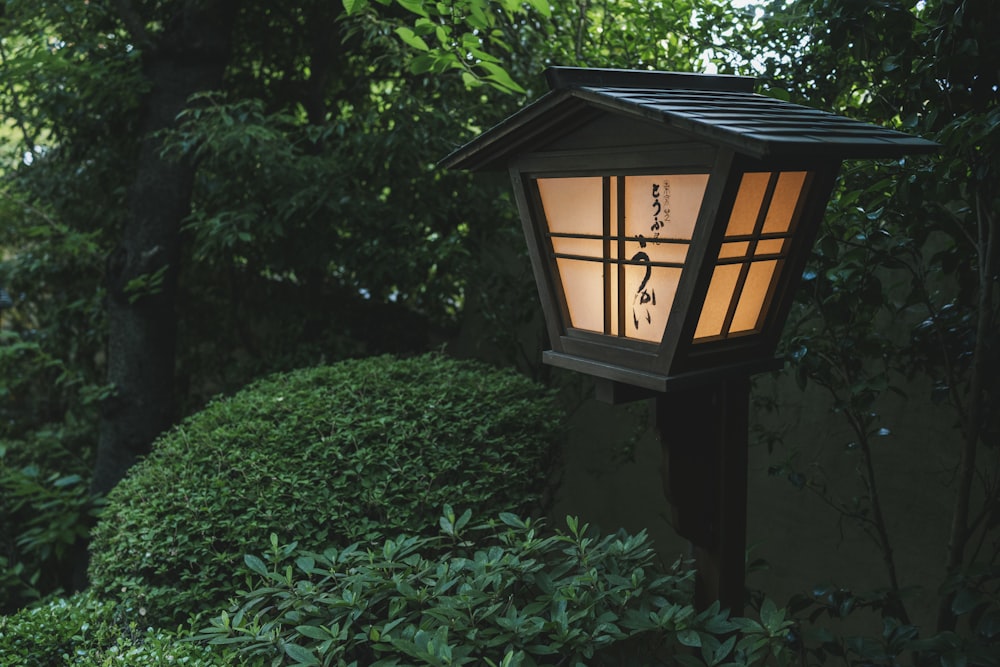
(703, 434)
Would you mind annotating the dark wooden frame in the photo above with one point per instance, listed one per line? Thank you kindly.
(676, 360)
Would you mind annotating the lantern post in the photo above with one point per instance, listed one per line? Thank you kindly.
(668, 218)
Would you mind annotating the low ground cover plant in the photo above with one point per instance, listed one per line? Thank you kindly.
(504, 592)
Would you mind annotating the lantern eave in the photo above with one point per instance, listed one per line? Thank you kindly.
(720, 110)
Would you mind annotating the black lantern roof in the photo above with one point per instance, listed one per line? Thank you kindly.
(721, 110)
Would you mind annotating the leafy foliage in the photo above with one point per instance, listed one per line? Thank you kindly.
(975, 601)
(45, 514)
(86, 632)
(500, 593)
(901, 295)
(324, 455)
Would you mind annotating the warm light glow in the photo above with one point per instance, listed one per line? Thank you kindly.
(720, 295)
(749, 197)
(575, 206)
(619, 265)
(786, 197)
(752, 254)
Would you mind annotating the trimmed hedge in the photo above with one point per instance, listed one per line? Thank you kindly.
(322, 456)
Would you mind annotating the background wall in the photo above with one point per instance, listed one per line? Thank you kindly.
(804, 541)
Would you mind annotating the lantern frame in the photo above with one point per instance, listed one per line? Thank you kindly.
(622, 123)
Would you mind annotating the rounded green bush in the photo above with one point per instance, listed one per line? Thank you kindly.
(322, 456)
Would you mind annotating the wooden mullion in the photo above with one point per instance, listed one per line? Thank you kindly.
(606, 229)
(620, 182)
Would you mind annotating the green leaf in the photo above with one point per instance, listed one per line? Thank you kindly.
(499, 76)
(689, 638)
(255, 564)
(964, 602)
(354, 6)
(312, 632)
(300, 654)
(542, 6)
(67, 481)
(463, 520)
(412, 39)
(778, 94)
(415, 6)
(769, 615)
(423, 64)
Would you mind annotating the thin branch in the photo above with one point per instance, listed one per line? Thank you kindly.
(580, 28)
(960, 532)
(879, 518)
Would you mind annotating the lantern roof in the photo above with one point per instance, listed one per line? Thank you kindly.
(717, 109)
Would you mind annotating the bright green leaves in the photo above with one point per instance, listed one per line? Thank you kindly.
(499, 77)
(354, 6)
(411, 38)
(542, 7)
(418, 7)
(467, 37)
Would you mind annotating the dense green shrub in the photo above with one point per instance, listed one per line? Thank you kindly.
(49, 634)
(324, 456)
(502, 594)
(82, 631)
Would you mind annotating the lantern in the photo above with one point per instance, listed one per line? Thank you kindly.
(668, 218)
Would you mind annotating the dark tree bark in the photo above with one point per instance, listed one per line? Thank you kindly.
(188, 56)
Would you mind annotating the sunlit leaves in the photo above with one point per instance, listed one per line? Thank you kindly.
(411, 38)
(354, 6)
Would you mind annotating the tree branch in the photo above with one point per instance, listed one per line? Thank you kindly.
(960, 531)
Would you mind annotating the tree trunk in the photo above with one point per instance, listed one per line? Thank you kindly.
(189, 56)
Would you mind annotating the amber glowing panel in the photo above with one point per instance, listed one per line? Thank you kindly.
(620, 244)
(753, 251)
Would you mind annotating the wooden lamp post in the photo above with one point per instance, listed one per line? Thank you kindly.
(668, 218)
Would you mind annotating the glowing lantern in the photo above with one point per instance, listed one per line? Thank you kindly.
(668, 218)
(669, 215)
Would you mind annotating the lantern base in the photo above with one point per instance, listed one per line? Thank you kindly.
(643, 384)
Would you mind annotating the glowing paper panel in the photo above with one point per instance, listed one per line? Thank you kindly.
(752, 254)
(720, 295)
(619, 266)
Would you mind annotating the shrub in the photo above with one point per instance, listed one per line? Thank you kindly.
(86, 632)
(50, 633)
(501, 594)
(324, 456)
